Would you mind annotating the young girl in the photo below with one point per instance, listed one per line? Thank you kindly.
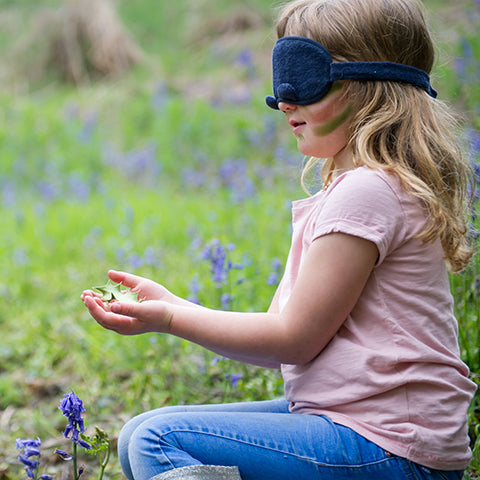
(362, 323)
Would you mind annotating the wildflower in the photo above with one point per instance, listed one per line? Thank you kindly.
(234, 378)
(31, 449)
(72, 408)
(64, 455)
(235, 178)
(220, 266)
(135, 260)
(476, 285)
(195, 288)
(160, 96)
(216, 360)
(273, 277)
(88, 128)
(226, 301)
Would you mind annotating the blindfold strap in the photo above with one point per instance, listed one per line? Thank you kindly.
(387, 71)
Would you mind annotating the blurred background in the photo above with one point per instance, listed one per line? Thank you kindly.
(134, 135)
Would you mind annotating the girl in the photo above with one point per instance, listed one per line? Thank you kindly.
(362, 323)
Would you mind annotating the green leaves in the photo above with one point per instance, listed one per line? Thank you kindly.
(115, 291)
(100, 447)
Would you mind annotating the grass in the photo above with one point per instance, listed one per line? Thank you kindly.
(140, 173)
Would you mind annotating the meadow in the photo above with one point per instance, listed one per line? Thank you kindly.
(176, 171)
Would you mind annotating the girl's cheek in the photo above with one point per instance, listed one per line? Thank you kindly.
(325, 128)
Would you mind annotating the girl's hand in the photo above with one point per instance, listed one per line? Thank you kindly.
(130, 318)
(146, 289)
(152, 314)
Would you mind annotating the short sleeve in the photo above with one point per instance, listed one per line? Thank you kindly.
(363, 203)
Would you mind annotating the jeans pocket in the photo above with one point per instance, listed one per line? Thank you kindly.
(451, 475)
(432, 474)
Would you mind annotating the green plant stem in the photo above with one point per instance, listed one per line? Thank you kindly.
(104, 462)
(75, 471)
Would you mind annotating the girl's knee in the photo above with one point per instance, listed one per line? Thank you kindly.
(129, 428)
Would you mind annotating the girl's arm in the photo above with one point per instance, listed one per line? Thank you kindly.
(331, 279)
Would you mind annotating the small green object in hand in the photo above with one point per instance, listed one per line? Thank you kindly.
(116, 291)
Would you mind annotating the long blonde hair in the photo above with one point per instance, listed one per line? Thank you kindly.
(395, 126)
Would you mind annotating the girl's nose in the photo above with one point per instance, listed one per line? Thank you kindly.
(285, 107)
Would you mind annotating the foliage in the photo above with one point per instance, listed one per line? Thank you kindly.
(176, 172)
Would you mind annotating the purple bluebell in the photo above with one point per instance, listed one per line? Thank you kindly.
(234, 378)
(151, 257)
(72, 408)
(64, 455)
(234, 176)
(79, 188)
(245, 60)
(88, 127)
(135, 261)
(216, 360)
(139, 165)
(226, 301)
(195, 288)
(161, 96)
(9, 191)
(274, 276)
(30, 457)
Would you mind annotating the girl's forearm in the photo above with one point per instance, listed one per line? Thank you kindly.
(248, 337)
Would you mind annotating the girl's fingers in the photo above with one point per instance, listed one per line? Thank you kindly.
(89, 293)
(102, 314)
(126, 279)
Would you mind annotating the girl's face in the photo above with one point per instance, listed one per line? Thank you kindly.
(321, 128)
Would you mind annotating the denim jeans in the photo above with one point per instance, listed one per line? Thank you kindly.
(264, 440)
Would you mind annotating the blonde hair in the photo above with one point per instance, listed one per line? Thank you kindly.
(395, 127)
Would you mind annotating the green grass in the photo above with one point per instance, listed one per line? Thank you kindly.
(127, 174)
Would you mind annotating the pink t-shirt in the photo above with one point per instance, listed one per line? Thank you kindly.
(392, 372)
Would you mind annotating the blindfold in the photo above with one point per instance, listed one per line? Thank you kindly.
(303, 72)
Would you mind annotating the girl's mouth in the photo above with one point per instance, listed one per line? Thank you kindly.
(297, 126)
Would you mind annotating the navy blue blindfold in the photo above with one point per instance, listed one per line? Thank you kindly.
(303, 72)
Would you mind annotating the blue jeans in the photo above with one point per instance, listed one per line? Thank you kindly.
(264, 440)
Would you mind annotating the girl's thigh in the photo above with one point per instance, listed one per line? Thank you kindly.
(272, 406)
(265, 445)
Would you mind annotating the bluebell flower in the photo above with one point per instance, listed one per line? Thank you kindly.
(195, 288)
(160, 96)
(135, 260)
(64, 455)
(234, 378)
(78, 187)
(234, 176)
(88, 128)
(72, 408)
(216, 360)
(273, 277)
(30, 457)
(9, 191)
(226, 301)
